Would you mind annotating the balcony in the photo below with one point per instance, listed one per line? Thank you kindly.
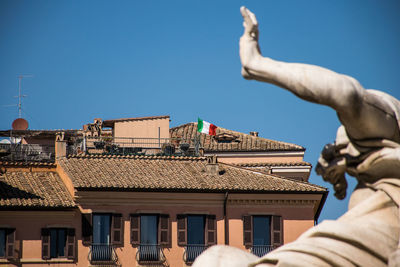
(27, 152)
(192, 252)
(261, 250)
(102, 254)
(101, 146)
(136, 146)
(150, 254)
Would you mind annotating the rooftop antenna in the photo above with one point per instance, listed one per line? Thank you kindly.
(20, 95)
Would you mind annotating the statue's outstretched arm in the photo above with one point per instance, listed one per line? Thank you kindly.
(363, 116)
(309, 82)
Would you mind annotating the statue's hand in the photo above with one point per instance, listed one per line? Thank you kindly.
(249, 49)
(250, 23)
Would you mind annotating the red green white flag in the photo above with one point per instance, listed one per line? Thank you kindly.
(206, 127)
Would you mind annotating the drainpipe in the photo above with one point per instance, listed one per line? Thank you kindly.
(321, 204)
(226, 220)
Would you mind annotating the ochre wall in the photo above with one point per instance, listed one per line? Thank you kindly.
(142, 128)
(296, 212)
(28, 225)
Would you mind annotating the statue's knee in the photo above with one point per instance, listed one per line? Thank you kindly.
(221, 255)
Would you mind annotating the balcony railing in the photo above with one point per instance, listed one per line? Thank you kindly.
(27, 152)
(138, 146)
(102, 254)
(103, 146)
(150, 254)
(192, 252)
(261, 250)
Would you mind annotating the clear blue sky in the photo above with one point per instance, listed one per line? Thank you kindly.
(115, 59)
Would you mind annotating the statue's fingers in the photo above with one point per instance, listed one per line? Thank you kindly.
(250, 21)
(252, 18)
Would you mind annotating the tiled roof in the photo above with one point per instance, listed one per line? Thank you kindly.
(160, 173)
(274, 164)
(22, 189)
(243, 142)
(109, 123)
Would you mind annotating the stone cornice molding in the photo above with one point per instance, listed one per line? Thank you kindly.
(286, 202)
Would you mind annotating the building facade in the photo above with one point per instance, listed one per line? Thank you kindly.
(145, 210)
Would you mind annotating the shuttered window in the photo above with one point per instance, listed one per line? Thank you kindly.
(148, 229)
(87, 229)
(211, 230)
(71, 244)
(197, 230)
(3, 243)
(182, 225)
(45, 243)
(135, 229)
(117, 229)
(262, 230)
(108, 228)
(58, 243)
(248, 231)
(277, 231)
(7, 243)
(164, 232)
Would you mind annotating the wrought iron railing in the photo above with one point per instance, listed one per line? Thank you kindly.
(261, 250)
(102, 253)
(192, 252)
(150, 254)
(27, 152)
(140, 146)
(103, 146)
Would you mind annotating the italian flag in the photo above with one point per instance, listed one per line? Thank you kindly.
(206, 127)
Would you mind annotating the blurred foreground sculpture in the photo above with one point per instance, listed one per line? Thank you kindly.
(367, 147)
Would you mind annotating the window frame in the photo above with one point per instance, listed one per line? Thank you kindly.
(163, 229)
(9, 243)
(109, 230)
(57, 230)
(210, 235)
(69, 243)
(276, 230)
(210, 229)
(116, 228)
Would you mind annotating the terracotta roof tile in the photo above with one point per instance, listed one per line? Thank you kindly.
(19, 189)
(242, 142)
(171, 173)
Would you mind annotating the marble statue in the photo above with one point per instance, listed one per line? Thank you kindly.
(367, 147)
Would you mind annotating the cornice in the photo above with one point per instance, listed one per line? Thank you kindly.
(285, 202)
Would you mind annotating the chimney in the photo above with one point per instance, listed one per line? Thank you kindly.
(254, 134)
(60, 146)
(212, 165)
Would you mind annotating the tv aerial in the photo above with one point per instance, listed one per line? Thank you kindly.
(20, 123)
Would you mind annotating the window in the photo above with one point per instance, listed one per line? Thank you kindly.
(102, 232)
(262, 233)
(7, 239)
(2, 243)
(58, 243)
(101, 228)
(150, 233)
(196, 233)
